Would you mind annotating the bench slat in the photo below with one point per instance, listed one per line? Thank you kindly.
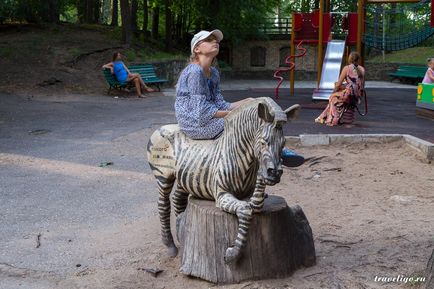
(408, 71)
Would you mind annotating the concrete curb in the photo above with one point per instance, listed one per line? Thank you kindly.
(422, 146)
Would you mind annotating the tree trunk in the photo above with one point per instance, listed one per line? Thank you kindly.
(115, 13)
(279, 241)
(96, 11)
(53, 11)
(178, 28)
(145, 17)
(168, 24)
(88, 11)
(134, 8)
(81, 10)
(155, 22)
(126, 22)
(106, 10)
(430, 272)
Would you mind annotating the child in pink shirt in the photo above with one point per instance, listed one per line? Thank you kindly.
(429, 75)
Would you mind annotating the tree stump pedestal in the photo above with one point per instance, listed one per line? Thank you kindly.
(430, 272)
(279, 242)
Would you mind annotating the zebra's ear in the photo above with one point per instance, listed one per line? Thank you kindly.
(292, 112)
(264, 113)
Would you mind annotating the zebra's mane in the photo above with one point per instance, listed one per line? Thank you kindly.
(237, 116)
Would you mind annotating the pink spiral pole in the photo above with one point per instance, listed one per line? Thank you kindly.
(290, 67)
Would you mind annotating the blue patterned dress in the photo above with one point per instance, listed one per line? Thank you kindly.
(198, 98)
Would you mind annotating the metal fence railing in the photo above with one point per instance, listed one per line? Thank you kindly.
(276, 26)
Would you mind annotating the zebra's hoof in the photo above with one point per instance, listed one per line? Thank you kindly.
(172, 251)
(232, 254)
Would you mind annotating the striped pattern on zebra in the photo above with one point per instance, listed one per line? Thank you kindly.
(233, 170)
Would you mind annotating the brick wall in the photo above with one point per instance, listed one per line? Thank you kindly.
(380, 71)
(306, 66)
(242, 60)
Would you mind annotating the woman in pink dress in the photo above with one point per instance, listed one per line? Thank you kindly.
(350, 84)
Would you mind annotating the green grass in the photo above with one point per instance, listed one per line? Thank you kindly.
(145, 55)
(130, 54)
(74, 51)
(6, 52)
(161, 55)
(415, 55)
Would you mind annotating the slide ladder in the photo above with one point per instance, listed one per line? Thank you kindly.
(331, 69)
(289, 68)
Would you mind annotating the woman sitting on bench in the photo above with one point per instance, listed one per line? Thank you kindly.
(122, 74)
(350, 84)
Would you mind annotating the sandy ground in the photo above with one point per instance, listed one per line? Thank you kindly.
(370, 209)
(369, 206)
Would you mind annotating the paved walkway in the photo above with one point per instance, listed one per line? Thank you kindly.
(245, 84)
(391, 107)
(250, 84)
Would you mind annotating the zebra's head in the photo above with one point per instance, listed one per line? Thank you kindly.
(270, 141)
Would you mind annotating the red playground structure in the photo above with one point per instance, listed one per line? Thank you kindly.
(321, 26)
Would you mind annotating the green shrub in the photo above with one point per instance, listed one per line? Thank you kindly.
(414, 55)
(6, 52)
(131, 55)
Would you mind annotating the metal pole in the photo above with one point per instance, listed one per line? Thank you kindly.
(383, 44)
(292, 72)
(320, 39)
(360, 25)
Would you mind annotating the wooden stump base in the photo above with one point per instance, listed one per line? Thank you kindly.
(279, 242)
(430, 272)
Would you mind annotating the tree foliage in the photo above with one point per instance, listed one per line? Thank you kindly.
(34, 11)
(171, 21)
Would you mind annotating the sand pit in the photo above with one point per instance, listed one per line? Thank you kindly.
(370, 207)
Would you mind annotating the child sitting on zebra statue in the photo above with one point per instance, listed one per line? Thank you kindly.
(199, 105)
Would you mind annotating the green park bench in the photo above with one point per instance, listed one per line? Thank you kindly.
(146, 71)
(413, 73)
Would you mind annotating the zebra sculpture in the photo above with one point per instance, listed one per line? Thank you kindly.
(236, 166)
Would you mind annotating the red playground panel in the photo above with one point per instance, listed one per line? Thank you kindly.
(432, 13)
(352, 28)
(307, 28)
